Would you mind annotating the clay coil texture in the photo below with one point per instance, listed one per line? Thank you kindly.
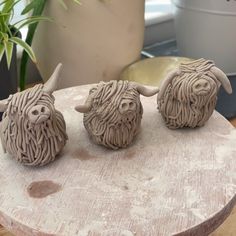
(188, 96)
(32, 143)
(113, 112)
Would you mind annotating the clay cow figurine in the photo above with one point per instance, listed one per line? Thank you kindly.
(113, 112)
(188, 95)
(32, 130)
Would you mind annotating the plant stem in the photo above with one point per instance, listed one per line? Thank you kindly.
(37, 11)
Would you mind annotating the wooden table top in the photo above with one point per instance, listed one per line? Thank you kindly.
(169, 182)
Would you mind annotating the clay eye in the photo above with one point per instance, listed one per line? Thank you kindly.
(124, 106)
(35, 112)
(132, 105)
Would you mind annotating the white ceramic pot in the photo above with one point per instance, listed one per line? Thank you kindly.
(94, 40)
(206, 28)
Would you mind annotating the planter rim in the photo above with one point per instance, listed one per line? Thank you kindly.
(217, 7)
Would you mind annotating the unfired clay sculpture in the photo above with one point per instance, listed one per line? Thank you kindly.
(188, 95)
(32, 130)
(113, 112)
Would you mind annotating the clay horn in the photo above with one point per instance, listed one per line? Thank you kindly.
(221, 76)
(145, 91)
(3, 105)
(166, 82)
(86, 107)
(51, 85)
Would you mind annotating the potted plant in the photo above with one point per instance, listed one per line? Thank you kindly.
(94, 41)
(9, 39)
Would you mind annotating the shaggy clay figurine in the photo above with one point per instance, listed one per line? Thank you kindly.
(188, 96)
(32, 130)
(113, 112)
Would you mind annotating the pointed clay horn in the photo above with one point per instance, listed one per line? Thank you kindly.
(3, 105)
(221, 76)
(86, 107)
(165, 83)
(51, 85)
(145, 91)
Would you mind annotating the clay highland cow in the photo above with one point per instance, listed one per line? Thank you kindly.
(113, 112)
(32, 130)
(188, 95)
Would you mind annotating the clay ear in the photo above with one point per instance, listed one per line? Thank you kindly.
(221, 76)
(3, 105)
(51, 85)
(86, 107)
(145, 91)
(166, 82)
(82, 108)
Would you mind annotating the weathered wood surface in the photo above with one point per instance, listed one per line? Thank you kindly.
(180, 182)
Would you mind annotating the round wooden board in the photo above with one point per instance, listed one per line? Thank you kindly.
(169, 182)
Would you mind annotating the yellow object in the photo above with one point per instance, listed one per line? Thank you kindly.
(152, 71)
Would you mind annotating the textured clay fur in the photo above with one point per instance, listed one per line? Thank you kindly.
(32, 131)
(113, 112)
(188, 96)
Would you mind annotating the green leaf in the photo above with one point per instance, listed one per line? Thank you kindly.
(8, 49)
(4, 36)
(2, 49)
(77, 1)
(31, 20)
(4, 21)
(63, 4)
(29, 7)
(25, 46)
(8, 7)
(2, 3)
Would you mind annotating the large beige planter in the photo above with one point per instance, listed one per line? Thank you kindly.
(94, 41)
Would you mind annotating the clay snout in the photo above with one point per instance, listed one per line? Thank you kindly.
(38, 113)
(127, 106)
(201, 87)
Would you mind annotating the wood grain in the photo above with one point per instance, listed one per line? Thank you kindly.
(168, 182)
